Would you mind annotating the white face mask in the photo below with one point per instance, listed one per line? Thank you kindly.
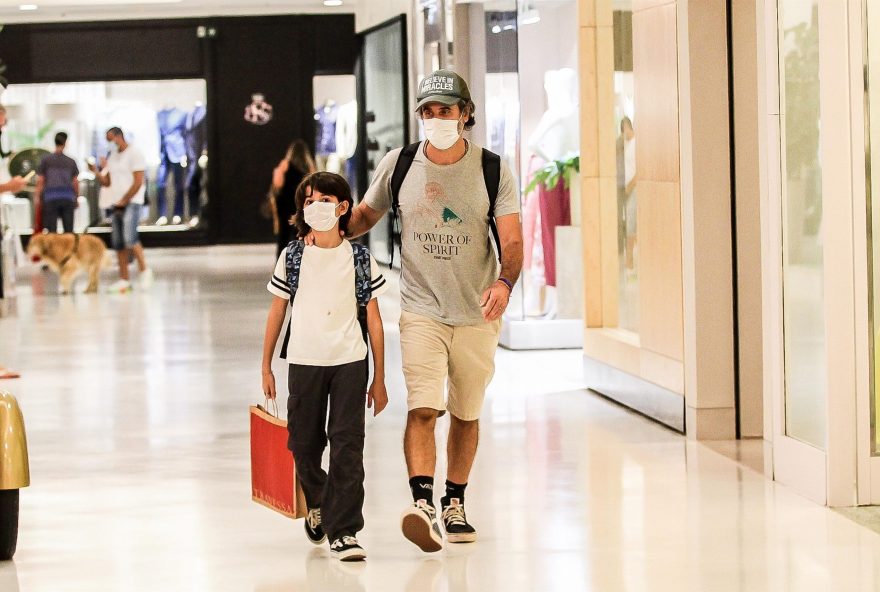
(442, 133)
(321, 215)
(114, 149)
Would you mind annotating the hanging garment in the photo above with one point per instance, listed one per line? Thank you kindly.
(196, 145)
(555, 205)
(325, 129)
(172, 156)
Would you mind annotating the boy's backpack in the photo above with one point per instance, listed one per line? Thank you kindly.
(491, 176)
(362, 283)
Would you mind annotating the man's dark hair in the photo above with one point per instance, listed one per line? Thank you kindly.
(60, 139)
(328, 184)
(116, 131)
(463, 106)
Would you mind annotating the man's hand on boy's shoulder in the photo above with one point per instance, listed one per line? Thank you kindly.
(377, 397)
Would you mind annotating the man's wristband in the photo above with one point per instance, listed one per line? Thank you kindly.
(506, 282)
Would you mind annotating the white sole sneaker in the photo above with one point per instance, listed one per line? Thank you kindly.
(416, 527)
(349, 555)
(466, 537)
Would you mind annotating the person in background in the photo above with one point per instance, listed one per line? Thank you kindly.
(285, 179)
(57, 187)
(14, 185)
(123, 174)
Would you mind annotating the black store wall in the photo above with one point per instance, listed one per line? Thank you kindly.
(238, 56)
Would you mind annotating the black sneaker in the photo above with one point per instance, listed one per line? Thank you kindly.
(419, 525)
(314, 530)
(347, 548)
(456, 525)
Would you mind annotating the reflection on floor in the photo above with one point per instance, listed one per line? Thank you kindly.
(136, 408)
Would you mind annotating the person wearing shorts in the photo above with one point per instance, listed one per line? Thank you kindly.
(122, 177)
(453, 294)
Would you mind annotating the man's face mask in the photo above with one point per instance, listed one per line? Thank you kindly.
(442, 133)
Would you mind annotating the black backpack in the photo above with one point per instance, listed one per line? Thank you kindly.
(491, 176)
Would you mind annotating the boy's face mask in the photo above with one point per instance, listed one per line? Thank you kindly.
(321, 215)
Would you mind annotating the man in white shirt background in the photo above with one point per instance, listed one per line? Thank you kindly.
(123, 176)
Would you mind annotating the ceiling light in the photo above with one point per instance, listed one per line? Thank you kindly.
(496, 29)
(332, 2)
(28, 7)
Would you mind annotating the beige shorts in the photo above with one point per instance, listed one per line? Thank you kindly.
(433, 351)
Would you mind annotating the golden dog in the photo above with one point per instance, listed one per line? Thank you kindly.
(68, 254)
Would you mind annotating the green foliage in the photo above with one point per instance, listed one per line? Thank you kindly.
(550, 173)
(20, 140)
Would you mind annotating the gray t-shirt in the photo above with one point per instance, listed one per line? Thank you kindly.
(447, 261)
(59, 170)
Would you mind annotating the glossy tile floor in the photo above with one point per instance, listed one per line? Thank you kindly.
(136, 408)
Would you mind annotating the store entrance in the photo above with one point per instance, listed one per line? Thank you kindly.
(383, 120)
(164, 120)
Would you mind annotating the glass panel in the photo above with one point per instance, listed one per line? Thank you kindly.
(624, 126)
(550, 125)
(385, 113)
(872, 29)
(498, 120)
(804, 303)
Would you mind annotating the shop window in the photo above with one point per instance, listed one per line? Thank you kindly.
(872, 30)
(336, 122)
(627, 177)
(552, 283)
(803, 275)
(164, 120)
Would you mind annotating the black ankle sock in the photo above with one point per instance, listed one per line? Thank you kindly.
(453, 490)
(422, 489)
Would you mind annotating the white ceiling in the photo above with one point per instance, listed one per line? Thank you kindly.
(102, 10)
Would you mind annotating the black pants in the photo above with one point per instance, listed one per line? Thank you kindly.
(335, 397)
(58, 208)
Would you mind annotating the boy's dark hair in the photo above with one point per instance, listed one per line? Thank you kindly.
(116, 131)
(328, 184)
(60, 139)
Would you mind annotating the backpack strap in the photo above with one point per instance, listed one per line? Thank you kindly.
(362, 274)
(492, 178)
(363, 289)
(401, 168)
(295, 252)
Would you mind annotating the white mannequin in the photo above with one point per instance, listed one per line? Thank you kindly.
(346, 130)
(555, 138)
(557, 133)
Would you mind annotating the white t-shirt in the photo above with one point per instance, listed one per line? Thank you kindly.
(324, 327)
(122, 166)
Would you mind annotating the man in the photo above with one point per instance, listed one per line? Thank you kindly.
(452, 295)
(14, 185)
(57, 187)
(123, 175)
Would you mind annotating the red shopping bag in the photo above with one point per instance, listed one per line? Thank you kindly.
(273, 480)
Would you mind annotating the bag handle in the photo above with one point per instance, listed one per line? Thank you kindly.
(274, 403)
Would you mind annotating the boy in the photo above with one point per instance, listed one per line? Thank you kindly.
(333, 286)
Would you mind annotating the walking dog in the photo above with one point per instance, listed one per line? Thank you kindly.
(68, 255)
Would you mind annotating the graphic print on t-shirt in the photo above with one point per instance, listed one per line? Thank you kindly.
(434, 214)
